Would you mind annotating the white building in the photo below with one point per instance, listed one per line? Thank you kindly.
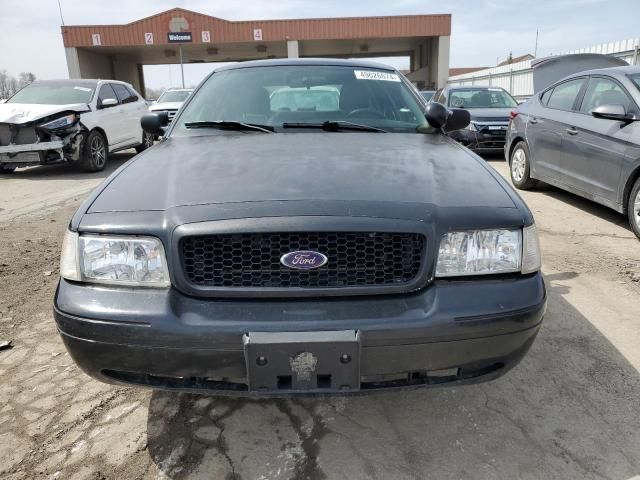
(517, 78)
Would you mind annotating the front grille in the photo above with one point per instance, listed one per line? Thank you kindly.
(252, 260)
(20, 136)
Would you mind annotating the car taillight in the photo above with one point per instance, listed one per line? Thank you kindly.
(513, 114)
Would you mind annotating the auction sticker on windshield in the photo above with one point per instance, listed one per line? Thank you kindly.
(372, 75)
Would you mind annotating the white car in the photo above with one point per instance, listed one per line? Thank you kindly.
(170, 101)
(76, 121)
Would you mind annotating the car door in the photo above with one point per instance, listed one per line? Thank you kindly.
(107, 117)
(545, 128)
(129, 114)
(594, 149)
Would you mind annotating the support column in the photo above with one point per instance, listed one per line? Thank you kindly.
(73, 63)
(442, 61)
(293, 49)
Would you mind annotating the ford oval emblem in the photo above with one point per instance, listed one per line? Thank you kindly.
(303, 260)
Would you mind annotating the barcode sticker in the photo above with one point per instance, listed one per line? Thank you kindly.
(376, 75)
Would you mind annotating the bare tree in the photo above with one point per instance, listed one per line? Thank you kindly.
(10, 84)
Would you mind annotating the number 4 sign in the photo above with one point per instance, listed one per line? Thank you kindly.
(148, 38)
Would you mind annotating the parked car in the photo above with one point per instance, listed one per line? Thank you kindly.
(582, 134)
(75, 121)
(170, 101)
(489, 108)
(255, 251)
(427, 94)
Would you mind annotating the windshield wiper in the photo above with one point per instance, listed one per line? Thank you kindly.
(335, 126)
(230, 125)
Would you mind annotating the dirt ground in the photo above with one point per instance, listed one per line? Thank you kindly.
(570, 410)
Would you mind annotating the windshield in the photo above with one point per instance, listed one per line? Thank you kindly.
(635, 78)
(174, 96)
(481, 98)
(53, 94)
(302, 94)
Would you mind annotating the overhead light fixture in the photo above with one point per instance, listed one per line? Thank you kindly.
(261, 48)
(212, 51)
(169, 53)
(364, 48)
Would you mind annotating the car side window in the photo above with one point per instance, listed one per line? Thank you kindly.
(106, 92)
(564, 95)
(604, 91)
(544, 98)
(133, 94)
(123, 93)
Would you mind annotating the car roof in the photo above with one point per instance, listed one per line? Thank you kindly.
(327, 62)
(80, 82)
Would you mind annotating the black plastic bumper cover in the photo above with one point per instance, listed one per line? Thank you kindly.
(477, 329)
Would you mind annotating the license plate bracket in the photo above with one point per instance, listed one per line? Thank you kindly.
(281, 362)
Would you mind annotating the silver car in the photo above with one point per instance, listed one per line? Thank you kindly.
(582, 134)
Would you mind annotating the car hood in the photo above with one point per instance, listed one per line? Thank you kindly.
(165, 106)
(25, 112)
(351, 174)
(490, 114)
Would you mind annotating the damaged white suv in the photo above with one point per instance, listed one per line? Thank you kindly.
(81, 121)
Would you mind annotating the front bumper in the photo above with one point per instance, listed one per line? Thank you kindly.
(450, 332)
(30, 153)
(478, 141)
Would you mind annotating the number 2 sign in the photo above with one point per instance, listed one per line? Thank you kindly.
(148, 38)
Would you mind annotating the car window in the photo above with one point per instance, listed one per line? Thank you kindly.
(53, 93)
(544, 98)
(123, 93)
(564, 95)
(315, 99)
(106, 92)
(604, 91)
(276, 95)
(481, 98)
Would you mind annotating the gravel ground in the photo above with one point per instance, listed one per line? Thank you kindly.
(569, 410)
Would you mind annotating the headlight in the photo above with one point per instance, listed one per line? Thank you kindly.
(134, 261)
(482, 252)
(61, 122)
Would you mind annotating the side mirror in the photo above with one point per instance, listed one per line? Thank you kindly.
(451, 119)
(155, 123)
(612, 112)
(108, 102)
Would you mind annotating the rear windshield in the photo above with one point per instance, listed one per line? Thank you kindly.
(276, 95)
(635, 78)
(174, 96)
(481, 98)
(53, 94)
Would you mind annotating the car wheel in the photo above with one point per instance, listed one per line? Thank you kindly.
(519, 167)
(633, 208)
(94, 153)
(147, 142)
(5, 169)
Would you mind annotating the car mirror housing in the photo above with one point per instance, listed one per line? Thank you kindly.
(451, 119)
(108, 102)
(612, 112)
(155, 123)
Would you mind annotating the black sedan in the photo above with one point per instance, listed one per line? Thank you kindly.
(490, 109)
(320, 247)
(582, 134)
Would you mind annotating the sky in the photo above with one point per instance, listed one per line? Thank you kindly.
(483, 31)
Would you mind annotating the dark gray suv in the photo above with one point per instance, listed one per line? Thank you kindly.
(582, 134)
(315, 247)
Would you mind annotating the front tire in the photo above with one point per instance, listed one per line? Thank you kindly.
(633, 208)
(147, 142)
(520, 167)
(94, 152)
